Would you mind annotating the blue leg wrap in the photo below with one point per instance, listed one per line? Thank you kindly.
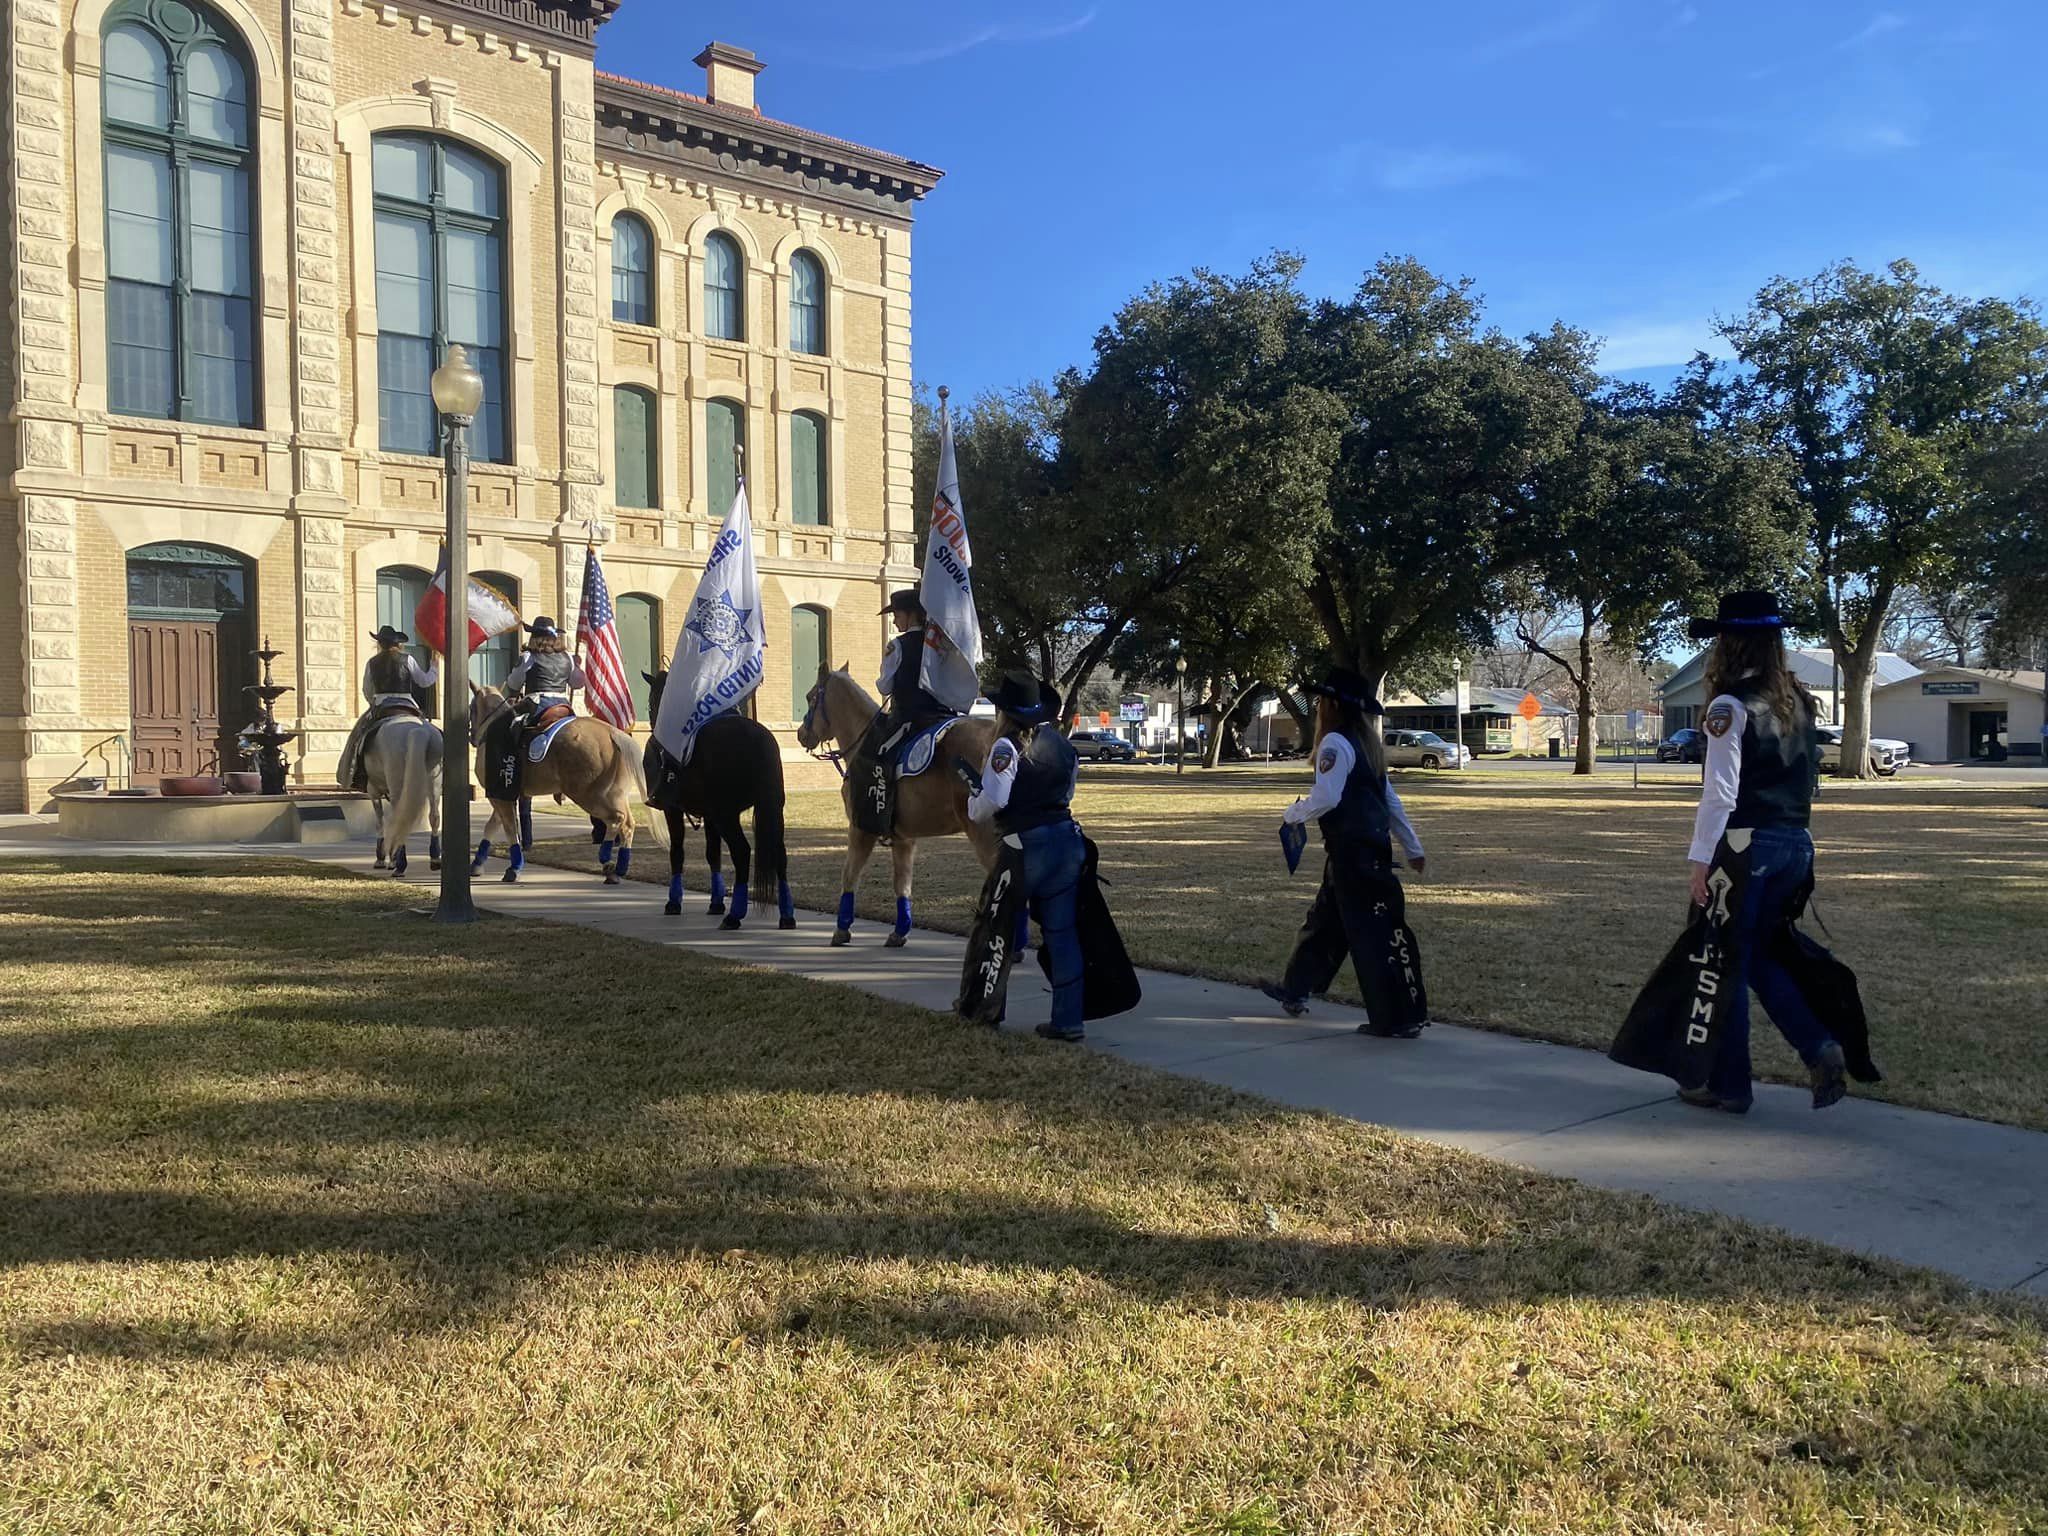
(903, 914)
(846, 909)
(675, 888)
(398, 859)
(434, 846)
(625, 861)
(718, 886)
(604, 852)
(483, 852)
(518, 857)
(785, 903)
(739, 901)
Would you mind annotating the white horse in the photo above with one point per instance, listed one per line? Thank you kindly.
(404, 771)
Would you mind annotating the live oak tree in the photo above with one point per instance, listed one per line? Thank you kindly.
(1886, 393)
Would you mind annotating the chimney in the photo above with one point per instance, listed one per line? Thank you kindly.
(729, 75)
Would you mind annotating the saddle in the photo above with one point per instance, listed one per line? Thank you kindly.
(554, 714)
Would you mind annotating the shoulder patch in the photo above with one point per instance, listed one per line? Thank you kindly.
(1002, 757)
(1326, 762)
(1719, 719)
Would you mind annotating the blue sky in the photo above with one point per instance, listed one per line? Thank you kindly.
(1632, 166)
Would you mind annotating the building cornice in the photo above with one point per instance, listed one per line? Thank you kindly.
(704, 141)
(566, 24)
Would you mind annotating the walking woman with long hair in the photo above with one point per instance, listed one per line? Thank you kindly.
(1762, 767)
(1359, 910)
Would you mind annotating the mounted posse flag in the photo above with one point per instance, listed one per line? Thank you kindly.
(491, 612)
(597, 637)
(952, 634)
(719, 654)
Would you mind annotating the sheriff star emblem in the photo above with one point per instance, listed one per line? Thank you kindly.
(719, 625)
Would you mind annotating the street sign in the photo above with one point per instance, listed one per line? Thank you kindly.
(1102, 717)
(1529, 708)
(1133, 712)
(1635, 722)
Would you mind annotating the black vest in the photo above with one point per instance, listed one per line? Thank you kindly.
(1779, 769)
(549, 672)
(1044, 787)
(388, 673)
(1359, 823)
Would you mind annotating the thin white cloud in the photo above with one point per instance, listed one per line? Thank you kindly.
(1876, 27)
(1739, 188)
(998, 34)
(1868, 135)
(1685, 17)
(1560, 28)
(1629, 345)
(1433, 167)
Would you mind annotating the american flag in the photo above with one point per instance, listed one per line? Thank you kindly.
(597, 637)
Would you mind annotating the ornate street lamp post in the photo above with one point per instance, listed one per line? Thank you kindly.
(458, 391)
(1180, 714)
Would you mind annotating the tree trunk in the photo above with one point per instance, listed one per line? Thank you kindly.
(1859, 669)
(1582, 762)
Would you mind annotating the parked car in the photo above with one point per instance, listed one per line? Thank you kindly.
(1887, 755)
(1424, 749)
(1687, 746)
(1102, 747)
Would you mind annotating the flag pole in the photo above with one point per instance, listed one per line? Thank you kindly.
(739, 484)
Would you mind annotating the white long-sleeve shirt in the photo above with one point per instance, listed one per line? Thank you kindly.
(517, 675)
(1335, 758)
(418, 678)
(1725, 720)
(998, 778)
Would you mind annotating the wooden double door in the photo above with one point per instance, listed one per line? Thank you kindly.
(186, 699)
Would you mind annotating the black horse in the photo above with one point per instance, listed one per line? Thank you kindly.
(737, 766)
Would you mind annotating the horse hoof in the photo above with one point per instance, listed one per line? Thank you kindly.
(716, 909)
(673, 909)
(841, 937)
(786, 924)
(433, 863)
(611, 877)
(381, 864)
(730, 924)
(510, 877)
(896, 941)
(476, 869)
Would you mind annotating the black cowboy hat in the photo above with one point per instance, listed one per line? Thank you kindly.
(905, 601)
(1348, 687)
(1025, 699)
(542, 626)
(386, 635)
(1740, 611)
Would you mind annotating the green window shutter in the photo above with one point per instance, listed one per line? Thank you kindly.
(807, 460)
(636, 482)
(722, 435)
(639, 626)
(809, 640)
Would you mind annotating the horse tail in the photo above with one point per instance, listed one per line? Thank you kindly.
(770, 831)
(629, 772)
(417, 758)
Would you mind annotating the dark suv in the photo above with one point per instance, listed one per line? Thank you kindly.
(1686, 746)
(1102, 747)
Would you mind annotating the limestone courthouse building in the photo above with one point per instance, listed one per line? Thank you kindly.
(239, 236)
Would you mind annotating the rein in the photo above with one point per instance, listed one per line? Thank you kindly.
(836, 756)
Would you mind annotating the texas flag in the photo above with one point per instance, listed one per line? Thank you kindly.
(490, 611)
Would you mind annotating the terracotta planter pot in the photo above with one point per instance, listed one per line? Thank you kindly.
(244, 783)
(204, 784)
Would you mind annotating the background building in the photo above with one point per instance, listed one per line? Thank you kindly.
(1684, 694)
(241, 233)
(1962, 714)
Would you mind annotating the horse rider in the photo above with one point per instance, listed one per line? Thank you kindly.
(905, 704)
(1027, 790)
(390, 677)
(1358, 909)
(540, 682)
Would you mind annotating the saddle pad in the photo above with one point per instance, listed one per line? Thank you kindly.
(537, 748)
(923, 748)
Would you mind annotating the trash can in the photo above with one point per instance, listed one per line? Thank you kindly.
(1556, 747)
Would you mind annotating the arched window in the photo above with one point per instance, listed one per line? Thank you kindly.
(639, 622)
(810, 492)
(806, 304)
(724, 289)
(440, 280)
(635, 455)
(491, 663)
(632, 270)
(399, 590)
(181, 320)
(725, 432)
(810, 642)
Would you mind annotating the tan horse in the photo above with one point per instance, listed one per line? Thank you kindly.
(589, 762)
(933, 804)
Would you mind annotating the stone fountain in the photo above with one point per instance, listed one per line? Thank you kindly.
(263, 743)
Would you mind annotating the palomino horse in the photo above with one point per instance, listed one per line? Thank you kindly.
(588, 762)
(930, 804)
(736, 766)
(403, 767)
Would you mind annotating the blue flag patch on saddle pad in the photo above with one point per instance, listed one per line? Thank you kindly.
(924, 747)
(537, 748)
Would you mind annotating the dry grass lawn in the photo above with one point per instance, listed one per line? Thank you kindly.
(1548, 901)
(313, 1219)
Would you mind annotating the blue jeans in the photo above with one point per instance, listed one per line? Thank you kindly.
(1053, 857)
(1780, 860)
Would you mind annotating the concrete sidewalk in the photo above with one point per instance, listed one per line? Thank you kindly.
(1960, 1196)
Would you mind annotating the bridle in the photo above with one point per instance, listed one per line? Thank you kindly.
(808, 727)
